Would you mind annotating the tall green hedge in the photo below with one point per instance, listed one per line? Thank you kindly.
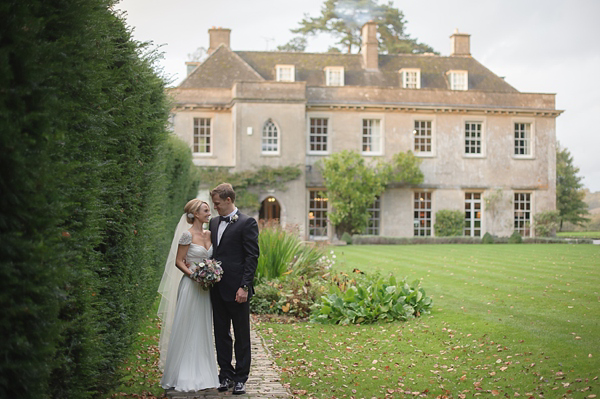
(91, 185)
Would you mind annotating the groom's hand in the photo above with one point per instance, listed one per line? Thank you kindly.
(241, 295)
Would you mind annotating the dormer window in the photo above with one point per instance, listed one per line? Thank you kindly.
(334, 76)
(411, 78)
(459, 80)
(286, 73)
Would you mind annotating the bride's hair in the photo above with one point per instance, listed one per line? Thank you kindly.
(192, 207)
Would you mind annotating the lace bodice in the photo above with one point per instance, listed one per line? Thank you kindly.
(196, 253)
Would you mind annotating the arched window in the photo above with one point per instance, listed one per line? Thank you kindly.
(270, 138)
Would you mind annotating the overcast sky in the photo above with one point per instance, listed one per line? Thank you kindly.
(539, 46)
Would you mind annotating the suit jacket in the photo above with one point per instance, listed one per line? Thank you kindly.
(238, 252)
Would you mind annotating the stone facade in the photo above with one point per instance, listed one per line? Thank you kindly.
(479, 138)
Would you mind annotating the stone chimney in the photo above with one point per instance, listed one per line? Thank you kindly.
(370, 46)
(460, 44)
(218, 36)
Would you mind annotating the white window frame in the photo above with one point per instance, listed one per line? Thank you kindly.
(405, 74)
(417, 227)
(276, 139)
(481, 121)
(531, 124)
(413, 135)
(328, 135)
(195, 134)
(280, 73)
(374, 222)
(524, 219)
(470, 206)
(318, 214)
(329, 71)
(458, 80)
(378, 139)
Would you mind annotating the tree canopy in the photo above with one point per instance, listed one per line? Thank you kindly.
(343, 19)
(353, 185)
(569, 189)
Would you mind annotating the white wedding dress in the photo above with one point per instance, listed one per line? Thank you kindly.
(191, 364)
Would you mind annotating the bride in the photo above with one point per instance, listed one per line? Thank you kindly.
(187, 353)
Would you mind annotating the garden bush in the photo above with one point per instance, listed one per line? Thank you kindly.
(546, 223)
(370, 299)
(515, 238)
(91, 186)
(347, 238)
(488, 239)
(449, 223)
(289, 296)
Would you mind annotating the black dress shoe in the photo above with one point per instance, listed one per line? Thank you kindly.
(225, 385)
(239, 388)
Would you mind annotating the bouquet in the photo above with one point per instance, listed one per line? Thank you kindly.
(206, 273)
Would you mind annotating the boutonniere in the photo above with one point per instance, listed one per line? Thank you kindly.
(234, 218)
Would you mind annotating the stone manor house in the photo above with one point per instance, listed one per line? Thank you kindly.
(480, 140)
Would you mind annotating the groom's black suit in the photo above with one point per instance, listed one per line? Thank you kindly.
(238, 252)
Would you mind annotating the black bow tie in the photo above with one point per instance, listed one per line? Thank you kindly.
(224, 219)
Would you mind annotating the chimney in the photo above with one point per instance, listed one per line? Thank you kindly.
(460, 44)
(218, 36)
(370, 46)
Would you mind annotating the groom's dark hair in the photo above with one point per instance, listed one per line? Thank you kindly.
(224, 190)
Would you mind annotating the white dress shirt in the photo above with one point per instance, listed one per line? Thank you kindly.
(223, 225)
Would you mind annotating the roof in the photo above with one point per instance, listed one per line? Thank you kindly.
(223, 67)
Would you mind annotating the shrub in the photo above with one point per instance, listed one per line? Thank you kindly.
(515, 238)
(347, 238)
(384, 240)
(283, 253)
(546, 223)
(371, 299)
(487, 239)
(289, 296)
(449, 223)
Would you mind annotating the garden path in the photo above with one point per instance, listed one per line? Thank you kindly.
(263, 383)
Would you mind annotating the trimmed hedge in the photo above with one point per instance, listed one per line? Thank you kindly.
(91, 186)
(383, 240)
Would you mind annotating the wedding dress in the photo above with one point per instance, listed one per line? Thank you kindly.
(190, 361)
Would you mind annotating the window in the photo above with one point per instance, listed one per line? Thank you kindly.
(472, 215)
(317, 215)
(411, 78)
(270, 138)
(422, 214)
(423, 137)
(459, 80)
(374, 222)
(334, 76)
(522, 205)
(371, 136)
(202, 136)
(286, 73)
(318, 135)
(473, 138)
(523, 139)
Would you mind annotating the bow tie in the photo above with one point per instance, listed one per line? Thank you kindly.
(224, 219)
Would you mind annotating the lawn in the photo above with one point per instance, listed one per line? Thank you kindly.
(508, 321)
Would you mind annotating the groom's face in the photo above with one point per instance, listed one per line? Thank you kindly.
(223, 206)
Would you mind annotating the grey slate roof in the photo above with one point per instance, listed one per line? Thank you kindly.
(224, 66)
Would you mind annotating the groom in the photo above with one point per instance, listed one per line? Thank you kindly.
(235, 243)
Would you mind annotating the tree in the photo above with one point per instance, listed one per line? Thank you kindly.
(344, 19)
(569, 190)
(296, 45)
(352, 185)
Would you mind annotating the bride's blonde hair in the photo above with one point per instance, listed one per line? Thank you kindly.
(192, 207)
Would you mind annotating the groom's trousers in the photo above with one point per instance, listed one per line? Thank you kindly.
(224, 314)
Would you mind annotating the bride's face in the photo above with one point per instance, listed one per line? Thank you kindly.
(203, 214)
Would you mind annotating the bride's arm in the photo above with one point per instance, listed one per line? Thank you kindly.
(180, 259)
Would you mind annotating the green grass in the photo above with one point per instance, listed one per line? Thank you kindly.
(508, 320)
(580, 234)
(140, 375)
